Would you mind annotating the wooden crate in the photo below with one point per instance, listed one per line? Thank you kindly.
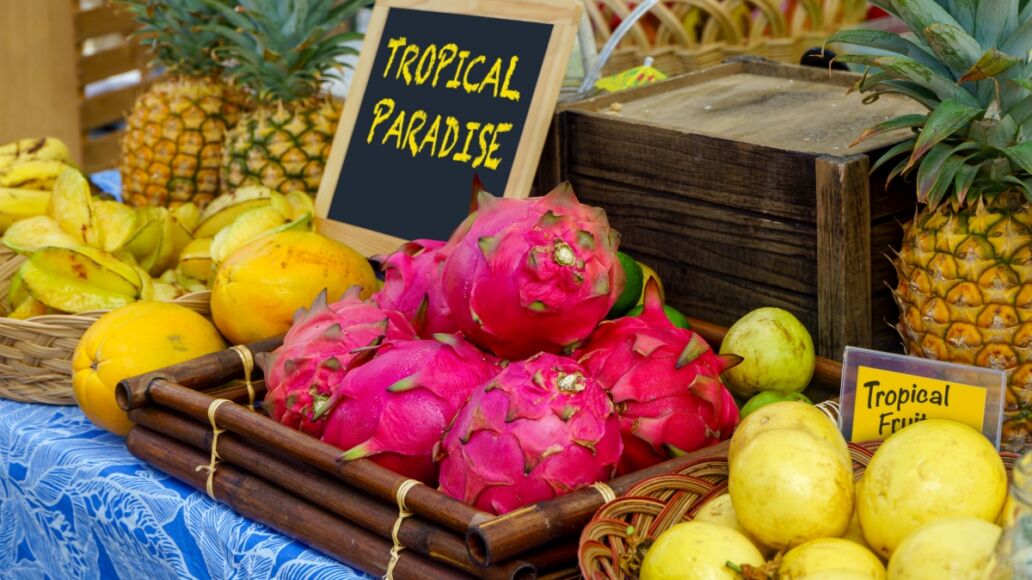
(54, 52)
(739, 185)
(298, 485)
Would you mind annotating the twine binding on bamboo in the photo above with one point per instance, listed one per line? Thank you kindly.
(403, 513)
(209, 485)
(247, 358)
(605, 491)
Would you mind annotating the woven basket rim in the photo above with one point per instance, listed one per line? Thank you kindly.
(36, 353)
(860, 453)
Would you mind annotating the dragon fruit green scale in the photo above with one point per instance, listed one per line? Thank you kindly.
(532, 275)
(539, 429)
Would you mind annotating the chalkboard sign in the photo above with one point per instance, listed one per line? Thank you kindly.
(445, 90)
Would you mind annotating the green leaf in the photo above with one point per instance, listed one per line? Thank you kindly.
(911, 70)
(948, 118)
(962, 181)
(912, 90)
(896, 171)
(953, 45)
(920, 14)
(964, 11)
(886, 42)
(995, 21)
(929, 171)
(992, 63)
(1021, 155)
(1002, 133)
(1024, 184)
(894, 124)
(895, 151)
(1019, 43)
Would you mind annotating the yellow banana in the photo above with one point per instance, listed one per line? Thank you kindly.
(37, 174)
(45, 149)
(19, 204)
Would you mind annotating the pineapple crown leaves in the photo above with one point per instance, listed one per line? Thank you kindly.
(283, 50)
(173, 30)
(969, 62)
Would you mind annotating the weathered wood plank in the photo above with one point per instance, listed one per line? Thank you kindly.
(110, 106)
(101, 153)
(107, 63)
(843, 235)
(886, 237)
(105, 19)
(720, 296)
(733, 174)
(780, 255)
(884, 314)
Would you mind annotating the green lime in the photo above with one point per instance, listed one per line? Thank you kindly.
(768, 397)
(673, 315)
(632, 289)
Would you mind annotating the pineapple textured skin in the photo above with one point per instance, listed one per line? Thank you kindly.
(173, 145)
(283, 147)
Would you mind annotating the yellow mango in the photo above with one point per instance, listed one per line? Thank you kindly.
(257, 290)
(29, 235)
(140, 338)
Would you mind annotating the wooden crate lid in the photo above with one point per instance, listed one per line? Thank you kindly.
(792, 108)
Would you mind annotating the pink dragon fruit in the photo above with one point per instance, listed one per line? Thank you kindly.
(665, 382)
(412, 286)
(323, 343)
(394, 408)
(532, 275)
(539, 429)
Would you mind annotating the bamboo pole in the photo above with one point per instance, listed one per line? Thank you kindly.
(362, 473)
(356, 507)
(505, 536)
(206, 372)
(257, 500)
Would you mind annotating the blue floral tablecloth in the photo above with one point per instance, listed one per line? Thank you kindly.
(75, 504)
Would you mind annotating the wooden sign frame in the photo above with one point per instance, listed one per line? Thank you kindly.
(562, 15)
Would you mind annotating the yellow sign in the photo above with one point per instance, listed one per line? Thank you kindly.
(887, 401)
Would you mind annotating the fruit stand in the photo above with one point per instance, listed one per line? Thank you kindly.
(754, 321)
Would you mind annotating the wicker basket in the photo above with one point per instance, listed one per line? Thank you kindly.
(613, 543)
(36, 354)
(686, 35)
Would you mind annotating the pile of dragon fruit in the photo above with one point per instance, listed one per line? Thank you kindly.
(485, 364)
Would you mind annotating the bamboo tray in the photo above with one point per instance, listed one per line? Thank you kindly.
(357, 512)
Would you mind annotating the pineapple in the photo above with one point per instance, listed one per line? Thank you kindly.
(965, 268)
(172, 148)
(282, 51)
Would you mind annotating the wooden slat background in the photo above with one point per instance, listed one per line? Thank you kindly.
(118, 54)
